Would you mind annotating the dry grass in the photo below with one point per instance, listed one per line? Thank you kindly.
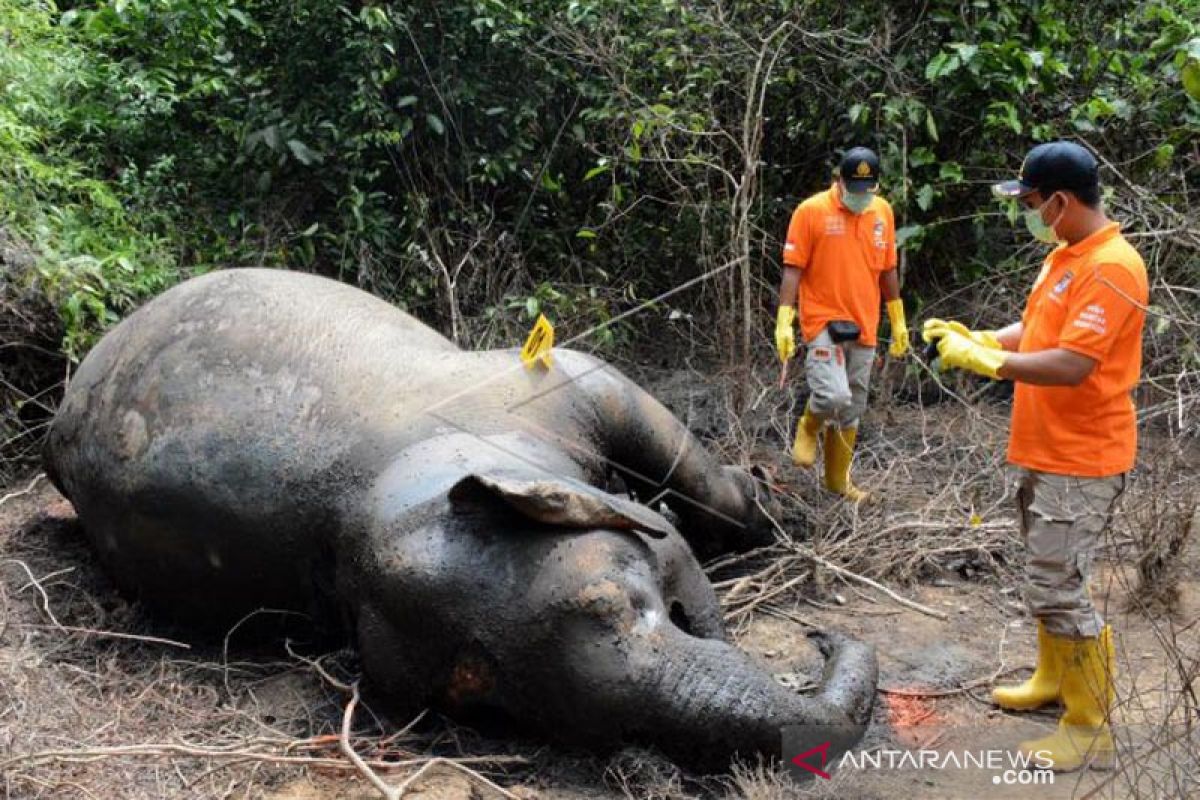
(97, 701)
(94, 699)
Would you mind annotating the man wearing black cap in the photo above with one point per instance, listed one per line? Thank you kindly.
(1075, 357)
(840, 255)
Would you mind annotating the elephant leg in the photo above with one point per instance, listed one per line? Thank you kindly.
(719, 506)
(628, 431)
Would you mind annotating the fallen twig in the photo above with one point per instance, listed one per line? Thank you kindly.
(36, 479)
(110, 634)
(168, 750)
(364, 769)
(964, 688)
(458, 765)
(316, 666)
(845, 573)
(36, 583)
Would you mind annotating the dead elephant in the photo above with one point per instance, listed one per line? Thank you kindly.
(265, 439)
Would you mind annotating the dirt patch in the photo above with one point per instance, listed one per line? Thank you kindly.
(117, 710)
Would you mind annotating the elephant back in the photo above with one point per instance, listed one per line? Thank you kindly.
(209, 440)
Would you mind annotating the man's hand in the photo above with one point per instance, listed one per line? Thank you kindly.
(934, 328)
(956, 349)
(900, 344)
(785, 336)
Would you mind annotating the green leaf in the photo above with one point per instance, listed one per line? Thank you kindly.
(585, 233)
(1190, 76)
(599, 169)
(406, 101)
(966, 52)
(920, 156)
(904, 234)
(934, 68)
(925, 197)
(1161, 320)
(951, 171)
(942, 65)
(435, 124)
(240, 16)
(303, 153)
(1163, 155)
(930, 126)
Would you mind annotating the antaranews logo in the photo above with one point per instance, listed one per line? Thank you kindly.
(809, 752)
(801, 761)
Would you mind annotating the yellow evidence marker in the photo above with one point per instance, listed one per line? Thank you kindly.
(539, 344)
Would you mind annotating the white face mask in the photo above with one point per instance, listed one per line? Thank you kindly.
(856, 202)
(1040, 229)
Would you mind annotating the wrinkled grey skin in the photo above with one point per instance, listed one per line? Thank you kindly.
(261, 439)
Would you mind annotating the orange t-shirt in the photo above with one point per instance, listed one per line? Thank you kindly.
(841, 256)
(1089, 298)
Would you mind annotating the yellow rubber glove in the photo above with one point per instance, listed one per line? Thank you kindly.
(785, 336)
(933, 328)
(900, 343)
(957, 350)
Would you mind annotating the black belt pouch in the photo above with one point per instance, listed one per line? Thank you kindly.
(843, 330)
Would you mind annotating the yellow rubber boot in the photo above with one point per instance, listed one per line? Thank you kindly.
(839, 452)
(1083, 738)
(804, 449)
(1043, 686)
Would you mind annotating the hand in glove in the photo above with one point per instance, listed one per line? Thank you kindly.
(785, 335)
(900, 343)
(933, 328)
(958, 350)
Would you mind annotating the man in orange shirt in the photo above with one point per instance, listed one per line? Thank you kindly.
(840, 255)
(1075, 357)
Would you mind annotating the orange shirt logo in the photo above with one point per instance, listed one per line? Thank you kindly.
(840, 255)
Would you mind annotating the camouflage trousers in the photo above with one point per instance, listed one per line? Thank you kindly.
(1062, 519)
(839, 376)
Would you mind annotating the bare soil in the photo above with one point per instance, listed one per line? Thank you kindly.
(91, 706)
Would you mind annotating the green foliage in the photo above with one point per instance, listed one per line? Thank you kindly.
(95, 262)
(469, 158)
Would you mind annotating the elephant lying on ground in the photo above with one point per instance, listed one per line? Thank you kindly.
(264, 439)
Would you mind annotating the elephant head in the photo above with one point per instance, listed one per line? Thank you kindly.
(629, 643)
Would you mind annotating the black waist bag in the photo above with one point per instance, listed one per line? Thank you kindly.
(843, 330)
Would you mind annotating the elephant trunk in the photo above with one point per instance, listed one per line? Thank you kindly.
(709, 702)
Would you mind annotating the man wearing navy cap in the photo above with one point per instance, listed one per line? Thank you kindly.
(838, 260)
(1074, 358)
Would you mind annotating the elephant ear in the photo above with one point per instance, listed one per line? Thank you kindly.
(563, 502)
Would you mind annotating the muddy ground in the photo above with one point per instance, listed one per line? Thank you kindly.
(90, 706)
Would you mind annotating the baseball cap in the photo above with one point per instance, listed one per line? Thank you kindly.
(860, 169)
(1053, 167)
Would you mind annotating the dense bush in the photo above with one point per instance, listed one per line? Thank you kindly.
(480, 161)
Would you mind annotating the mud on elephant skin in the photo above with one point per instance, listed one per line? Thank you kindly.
(264, 439)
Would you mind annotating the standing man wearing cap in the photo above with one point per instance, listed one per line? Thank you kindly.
(840, 255)
(1074, 357)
